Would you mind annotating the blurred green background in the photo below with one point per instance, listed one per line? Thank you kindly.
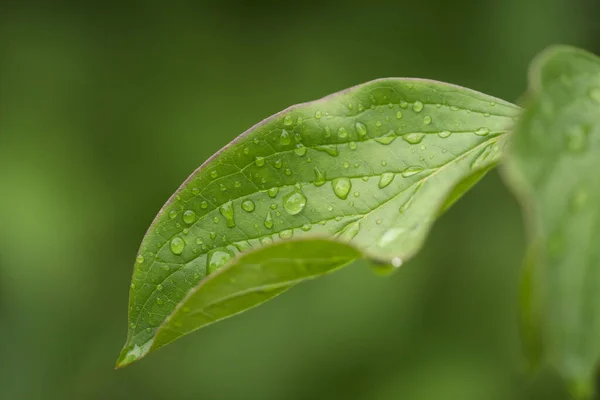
(106, 108)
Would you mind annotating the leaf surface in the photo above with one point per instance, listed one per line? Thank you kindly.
(553, 168)
(371, 166)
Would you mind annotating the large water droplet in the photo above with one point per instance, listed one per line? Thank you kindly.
(294, 202)
(273, 192)
(341, 187)
(332, 150)
(218, 259)
(260, 161)
(413, 138)
(269, 220)
(177, 245)
(248, 205)
(417, 106)
(386, 179)
(172, 214)
(361, 129)
(226, 211)
(482, 131)
(412, 170)
(189, 217)
(204, 204)
(300, 150)
(278, 163)
(285, 138)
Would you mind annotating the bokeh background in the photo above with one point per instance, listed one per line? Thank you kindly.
(106, 108)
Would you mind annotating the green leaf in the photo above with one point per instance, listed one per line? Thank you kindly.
(553, 168)
(370, 166)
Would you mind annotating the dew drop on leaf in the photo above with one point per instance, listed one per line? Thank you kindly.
(294, 202)
(260, 161)
(444, 134)
(412, 170)
(139, 259)
(385, 179)
(269, 220)
(218, 259)
(226, 211)
(417, 106)
(286, 234)
(287, 121)
(177, 245)
(361, 129)
(482, 131)
(427, 120)
(172, 214)
(248, 205)
(399, 115)
(214, 174)
(273, 192)
(342, 133)
(341, 187)
(413, 138)
(204, 204)
(285, 138)
(320, 177)
(318, 115)
(300, 150)
(189, 217)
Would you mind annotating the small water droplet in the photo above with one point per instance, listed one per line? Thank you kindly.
(300, 150)
(386, 179)
(342, 133)
(189, 217)
(159, 300)
(417, 106)
(266, 240)
(287, 121)
(360, 107)
(306, 227)
(177, 245)
(378, 124)
(444, 134)
(288, 172)
(286, 234)
(273, 206)
(159, 287)
(218, 259)
(341, 187)
(332, 150)
(350, 231)
(216, 220)
(399, 115)
(132, 325)
(412, 170)
(214, 174)
(213, 235)
(352, 145)
(260, 161)
(269, 220)
(361, 129)
(318, 114)
(427, 120)
(273, 192)
(139, 259)
(294, 202)
(248, 205)
(132, 286)
(204, 204)
(413, 138)
(482, 131)
(403, 104)
(285, 138)
(346, 165)
(226, 211)
(387, 139)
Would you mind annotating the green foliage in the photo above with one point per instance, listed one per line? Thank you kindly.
(371, 166)
(553, 167)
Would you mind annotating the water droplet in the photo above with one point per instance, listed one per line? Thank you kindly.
(399, 115)
(266, 240)
(594, 94)
(386, 179)
(286, 234)
(218, 259)
(260, 161)
(427, 120)
(204, 204)
(159, 300)
(132, 325)
(288, 172)
(195, 191)
(332, 150)
(300, 150)
(346, 165)
(273, 206)
(413, 138)
(412, 170)
(350, 231)
(285, 138)
(578, 199)
(342, 133)
(248, 205)
(378, 124)
(417, 106)
(341, 187)
(222, 187)
(139, 259)
(403, 104)
(189, 217)
(390, 236)
(226, 211)
(482, 131)
(159, 287)
(294, 202)
(172, 214)
(213, 235)
(306, 227)
(319, 177)
(352, 145)
(361, 129)
(318, 115)
(177, 245)
(273, 192)
(389, 138)
(577, 138)
(132, 286)
(287, 121)
(269, 220)
(444, 134)
(216, 220)
(214, 174)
